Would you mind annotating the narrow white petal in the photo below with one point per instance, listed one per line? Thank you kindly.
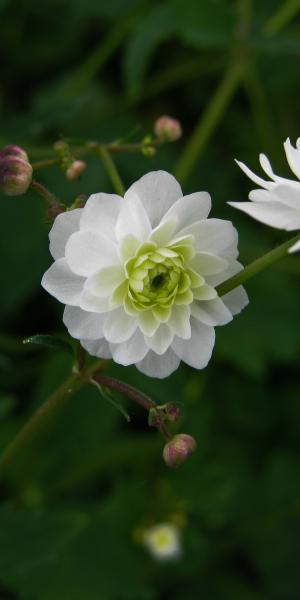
(119, 326)
(261, 182)
(294, 248)
(62, 283)
(289, 195)
(215, 236)
(275, 214)
(158, 191)
(160, 341)
(179, 321)
(293, 157)
(236, 300)
(98, 348)
(208, 264)
(154, 365)
(132, 220)
(64, 225)
(162, 234)
(88, 251)
(91, 303)
(105, 281)
(196, 351)
(189, 209)
(131, 351)
(211, 312)
(100, 214)
(266, 165)
(148, 323)
(82, 324)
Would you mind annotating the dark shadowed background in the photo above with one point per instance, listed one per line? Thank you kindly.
(71, 504)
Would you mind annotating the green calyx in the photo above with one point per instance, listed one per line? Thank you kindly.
(158, 277)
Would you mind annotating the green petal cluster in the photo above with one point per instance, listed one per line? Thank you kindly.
(158, 277)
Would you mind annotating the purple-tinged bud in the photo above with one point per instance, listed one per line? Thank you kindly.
(75, 170)
(15, 175)
(173, 412)
(167, 129)
(178, 449)
(60, 147)
(13, 150)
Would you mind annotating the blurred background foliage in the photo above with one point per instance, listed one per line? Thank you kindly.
(71, 504)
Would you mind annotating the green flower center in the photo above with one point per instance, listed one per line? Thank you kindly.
(158, 277)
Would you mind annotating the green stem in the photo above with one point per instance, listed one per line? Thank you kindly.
(45, 413)
(111, 170)
(43, 192)
(256, 266)
(285, 13)
(209, 121)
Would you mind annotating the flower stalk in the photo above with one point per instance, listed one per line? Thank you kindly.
(112, 171)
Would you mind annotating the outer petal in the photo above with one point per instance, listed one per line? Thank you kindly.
(91, 303)
(214, 235)
(119, 326)
(179, 321)
(294, 248)
(233, 268)
(189, 209)
(133, 220)
(293, 157)
(64, 225)
(100, 214)
(160, 341)
(236, 300)
(157, 191)
(271, 213)
(159, 366)
(208, 264)
(196, 351)
(82, 324)
(288, 194)
(88, 251)
(105, 281)
(131, 351)
(98, 348)
(267, 185)
(211, 312)
(62, 283)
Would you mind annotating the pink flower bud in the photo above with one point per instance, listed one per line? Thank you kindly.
(12, 150)
(167, 129)
(15, 175)
(75, 170)
(178, 449)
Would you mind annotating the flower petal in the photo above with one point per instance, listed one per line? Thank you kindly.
(82, 324)
(98, 348)
(294, 248)
(62, 283)
(119, 326)
(131, 351)
(158, 191)
(154, 365)
(162, 234)
(91, 303)
(189, 209)
(64, 225)
(289, 195)
(105, 281)
(208, 264)
(179, 321)
(132, 221)
(205, 292)
(293, 157)
(88, 251)
(211, 312)
(148, 323)
(271, 213)
(215, 236)
(160, 341)
(267, 185)
(100, 214)
(236, 300)
(233, 267)
(196, 351)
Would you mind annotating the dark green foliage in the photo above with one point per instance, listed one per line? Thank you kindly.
(72, 504)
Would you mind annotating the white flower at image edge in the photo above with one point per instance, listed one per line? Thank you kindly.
(278, 202)
(138, 275)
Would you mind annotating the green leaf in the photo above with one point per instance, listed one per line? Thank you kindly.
(50, 341)
(204, 23)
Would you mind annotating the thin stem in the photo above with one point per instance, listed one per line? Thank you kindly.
(111, 170)
(285, 13)
(126, 390)
(45, 413)
(209, 121)
(42, 164)
(43, 192)
(256, 266)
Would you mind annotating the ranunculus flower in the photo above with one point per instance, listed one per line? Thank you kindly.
(138, 275)
(278, 202)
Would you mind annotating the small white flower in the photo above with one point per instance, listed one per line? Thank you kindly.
(163, 541)
(138, 275)
(278, 202)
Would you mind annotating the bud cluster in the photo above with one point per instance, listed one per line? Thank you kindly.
(72, 167)
(15, 171)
